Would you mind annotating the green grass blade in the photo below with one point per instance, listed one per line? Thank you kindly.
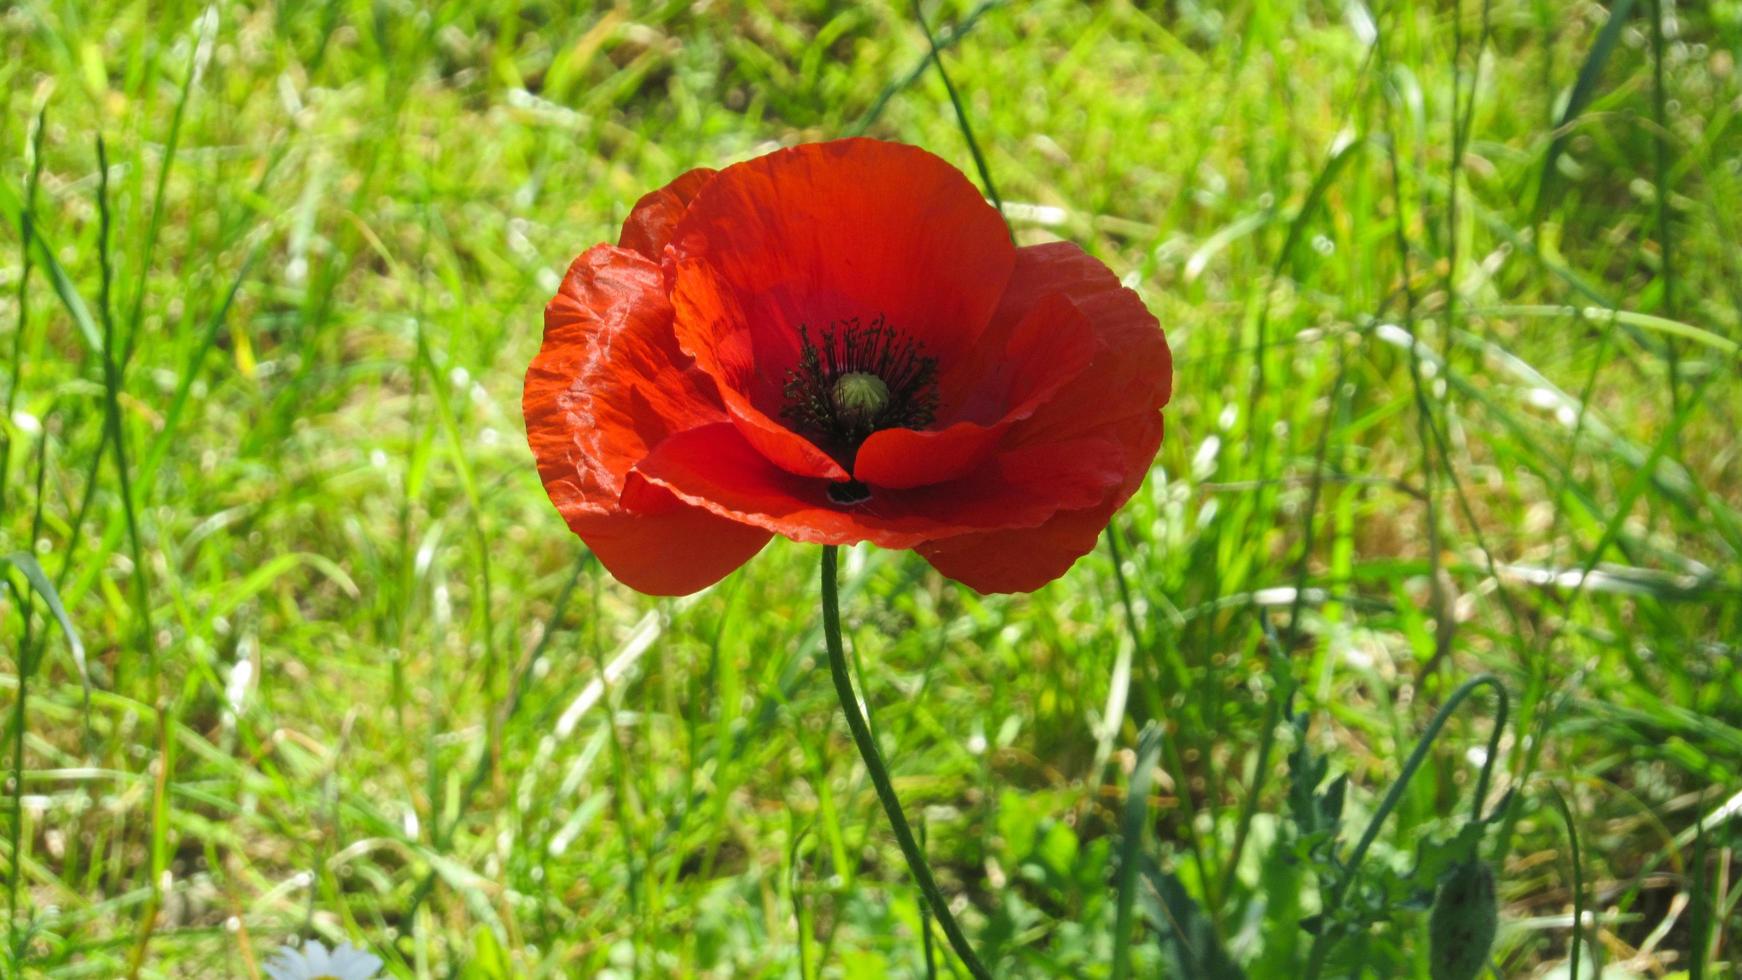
(32, 571)
(1584, 87)
(937, 60)
(44, 253)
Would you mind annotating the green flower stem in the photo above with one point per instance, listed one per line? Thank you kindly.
(862, 738)
(1321, 947)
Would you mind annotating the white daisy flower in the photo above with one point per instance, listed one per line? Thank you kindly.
(315, 962)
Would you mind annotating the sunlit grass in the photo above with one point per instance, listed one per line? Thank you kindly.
(1436, 414)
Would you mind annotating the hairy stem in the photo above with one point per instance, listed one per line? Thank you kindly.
(1321, 947)
(861, 729)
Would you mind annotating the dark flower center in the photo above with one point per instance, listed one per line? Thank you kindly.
(855, 379)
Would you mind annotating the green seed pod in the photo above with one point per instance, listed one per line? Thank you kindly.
(860, 397)
(1465, 918)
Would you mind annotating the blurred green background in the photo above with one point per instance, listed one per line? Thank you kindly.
(1455, 299)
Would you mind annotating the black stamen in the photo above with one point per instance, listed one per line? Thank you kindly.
(814, 402)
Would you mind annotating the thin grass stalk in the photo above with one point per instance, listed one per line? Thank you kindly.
(112, 377)
(15, 833)
(961, 115)
(26, 232)
(1578, 940)
(896, 87)
(27, 661)
(154, 226)
(1665, 239)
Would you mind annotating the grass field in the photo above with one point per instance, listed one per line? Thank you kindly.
(1455, 298)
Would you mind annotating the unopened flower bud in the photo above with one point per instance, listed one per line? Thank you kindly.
(1465, 918)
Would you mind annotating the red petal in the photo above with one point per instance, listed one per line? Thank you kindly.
(730, 354)
(1017, 366)
(1118, 398)
(822, 233)
(663, 546)
(607, 386)
(1025, 559)
(1059, 472)
(1131, 369)
(716, 468)
(648, 228)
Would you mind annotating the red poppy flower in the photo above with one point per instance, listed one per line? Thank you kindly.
(837, 343)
